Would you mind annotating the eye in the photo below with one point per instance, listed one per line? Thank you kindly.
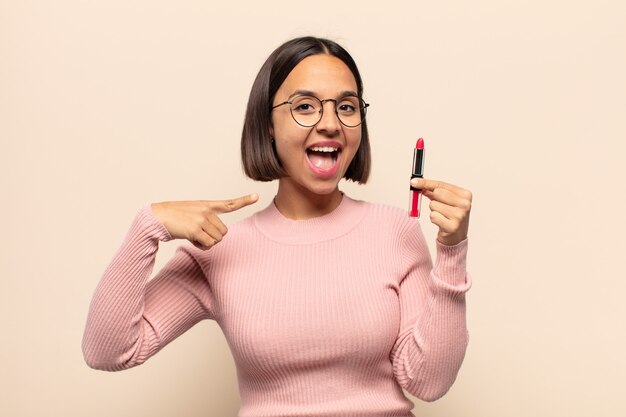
(305, 105)
(348, 106)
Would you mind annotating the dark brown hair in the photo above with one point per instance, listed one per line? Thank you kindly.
(258, 155)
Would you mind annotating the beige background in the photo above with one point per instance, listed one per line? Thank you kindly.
(105, 106)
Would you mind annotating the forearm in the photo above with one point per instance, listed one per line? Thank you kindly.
(431, 352)
(438, 347)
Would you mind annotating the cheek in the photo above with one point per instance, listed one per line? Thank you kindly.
(287, 149)
(286, 130)
(280, 125)
(290, 138)
(354, 139)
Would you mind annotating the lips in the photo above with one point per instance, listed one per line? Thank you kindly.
(323, 158)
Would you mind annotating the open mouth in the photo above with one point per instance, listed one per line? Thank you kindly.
(323, 158)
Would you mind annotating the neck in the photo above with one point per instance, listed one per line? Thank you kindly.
(300, 204)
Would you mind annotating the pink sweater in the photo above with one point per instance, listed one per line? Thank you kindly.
(330, 316)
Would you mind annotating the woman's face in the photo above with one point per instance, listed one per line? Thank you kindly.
(299, 148)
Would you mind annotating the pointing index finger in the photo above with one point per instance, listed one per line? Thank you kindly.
(226, 206)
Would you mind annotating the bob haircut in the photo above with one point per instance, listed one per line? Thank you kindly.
(260, 161)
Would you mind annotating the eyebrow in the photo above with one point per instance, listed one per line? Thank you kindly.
(346, 93)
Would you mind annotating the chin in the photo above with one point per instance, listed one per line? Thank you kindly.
(328, 187)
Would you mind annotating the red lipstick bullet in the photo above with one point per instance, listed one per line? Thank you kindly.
(415, 198)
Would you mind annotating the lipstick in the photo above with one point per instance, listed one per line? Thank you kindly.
(415, 198)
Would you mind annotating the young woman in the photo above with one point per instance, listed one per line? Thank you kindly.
(330, 305)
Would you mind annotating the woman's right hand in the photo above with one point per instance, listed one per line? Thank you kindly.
(197, 220)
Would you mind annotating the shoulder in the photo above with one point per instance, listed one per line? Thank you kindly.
(381, 209)
(397, 235)
(388, 217)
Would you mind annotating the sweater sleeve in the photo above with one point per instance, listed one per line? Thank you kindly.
(433, 334)
(131, 317)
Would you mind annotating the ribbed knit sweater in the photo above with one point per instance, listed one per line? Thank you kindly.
(330, 316)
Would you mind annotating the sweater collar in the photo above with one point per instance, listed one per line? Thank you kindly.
(273, 224)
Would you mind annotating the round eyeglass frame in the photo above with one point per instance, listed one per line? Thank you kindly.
(362, 109)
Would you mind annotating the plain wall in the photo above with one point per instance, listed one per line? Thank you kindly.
(105, 106)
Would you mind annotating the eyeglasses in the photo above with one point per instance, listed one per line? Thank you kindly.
(307, 110)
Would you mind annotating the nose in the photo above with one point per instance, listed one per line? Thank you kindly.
(329, 122)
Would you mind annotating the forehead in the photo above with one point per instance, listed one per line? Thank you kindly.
(322, 74)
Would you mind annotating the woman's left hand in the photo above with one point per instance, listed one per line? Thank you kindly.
(449, 209)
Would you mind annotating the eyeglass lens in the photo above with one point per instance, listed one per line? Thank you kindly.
(307, 110)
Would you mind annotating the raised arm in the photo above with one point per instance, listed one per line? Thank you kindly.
(433, 335)
(131, 317)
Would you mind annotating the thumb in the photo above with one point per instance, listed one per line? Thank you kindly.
(226, 206)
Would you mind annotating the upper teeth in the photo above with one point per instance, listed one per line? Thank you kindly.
(323, 149)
